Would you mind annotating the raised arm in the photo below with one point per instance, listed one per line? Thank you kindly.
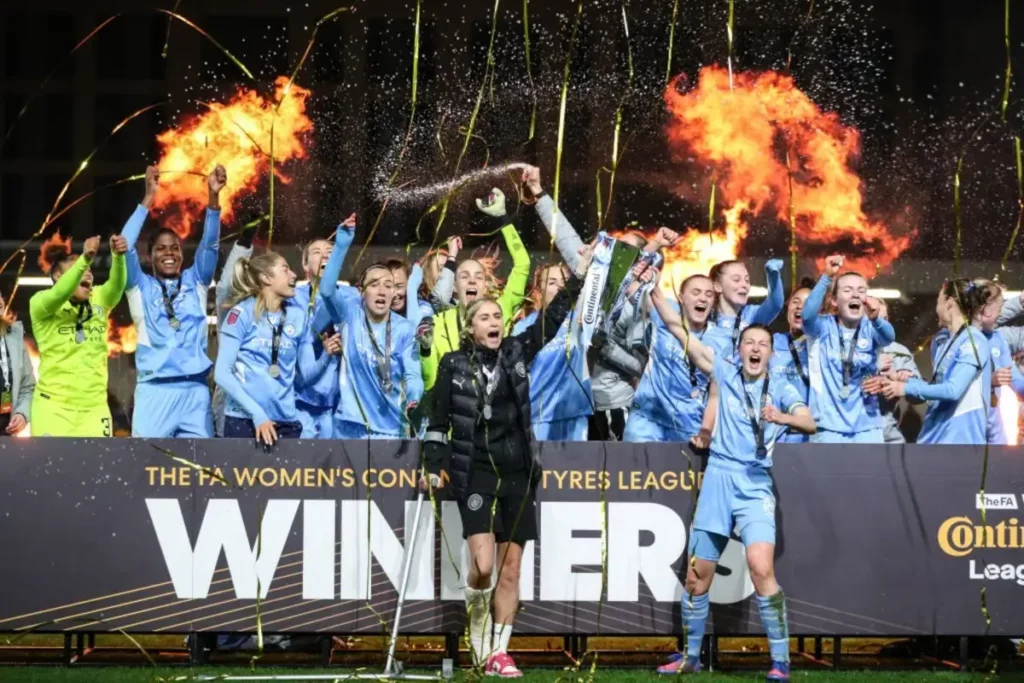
(46, 303)
(111, 291)
(241, 249)
(537, 335)
(515, 288)
(769, 309)
(813, 320)
(703, 357)
(334, 301)
(444, 288)
(133, 228)
(412, 296)
(567, 240)
(308, 368)
(205, 263)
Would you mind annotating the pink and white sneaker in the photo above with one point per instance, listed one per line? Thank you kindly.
(500, 664)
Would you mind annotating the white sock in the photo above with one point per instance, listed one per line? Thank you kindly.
(502, 636)
(478, 621)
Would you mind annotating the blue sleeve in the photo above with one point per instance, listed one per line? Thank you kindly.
(310, 369)
(811, 316)
(334, 302)
(964, 372)
(204, 264)
(412, 296)
(228, 346)
(769, 310)
(790, 399)
(883, 332)
(1017, 384)
(411, 370)
(131, 231)
(321, 320)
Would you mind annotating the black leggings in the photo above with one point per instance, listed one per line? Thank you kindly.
(243, 428)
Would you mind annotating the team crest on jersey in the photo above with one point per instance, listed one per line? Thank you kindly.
(97, 309)
(863, 343)
(233, 316)
(475, 502)
(996, 353)
(289, 330)
(520, 369)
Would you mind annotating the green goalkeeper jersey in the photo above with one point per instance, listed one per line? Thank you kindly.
(72, 338)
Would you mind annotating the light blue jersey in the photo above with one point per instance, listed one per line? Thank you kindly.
(244, 362)
(999, 351)
(958, 408)
(672, 392)
(165, 352)
(323, 393)
(837, 402)
(559, 380)
(733, 438)
(724, 331)
(790, 365)
(369, 360)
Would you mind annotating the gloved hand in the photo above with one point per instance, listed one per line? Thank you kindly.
(494, 205)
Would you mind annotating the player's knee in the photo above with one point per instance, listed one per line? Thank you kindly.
(698, 580)
(480, 570)
(762, 571)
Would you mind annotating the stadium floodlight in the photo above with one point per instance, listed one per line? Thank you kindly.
(393, 670)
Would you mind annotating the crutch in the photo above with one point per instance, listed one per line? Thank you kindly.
(407, 566)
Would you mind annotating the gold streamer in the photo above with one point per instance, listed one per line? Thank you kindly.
(956, 197)
(560, 146)
(792, 224)
(1009, 62)
(85, 163)
(729, 35)
(42, 85)
(213, 40)
(711, 207)
(270, 232)
(792, 41)
(309, 46)
(1020, 207)
(616, 156)
(197, 467)
(250, 224)
(167, 37)
(671, 41)
(259, 596)
(529, 67)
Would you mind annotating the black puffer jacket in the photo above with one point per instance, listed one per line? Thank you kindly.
(503, 442)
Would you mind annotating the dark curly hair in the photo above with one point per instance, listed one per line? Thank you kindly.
(970, 295)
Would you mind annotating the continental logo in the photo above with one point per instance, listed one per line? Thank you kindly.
(961, 536)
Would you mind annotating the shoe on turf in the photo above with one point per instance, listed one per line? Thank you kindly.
(677, 664)
(779, 673)
(501, 664)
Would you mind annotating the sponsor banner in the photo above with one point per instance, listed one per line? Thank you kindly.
(873, 541)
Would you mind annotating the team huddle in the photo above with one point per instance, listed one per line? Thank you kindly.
(478, 371)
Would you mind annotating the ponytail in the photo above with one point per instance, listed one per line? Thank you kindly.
(971, 295)
(246, 279)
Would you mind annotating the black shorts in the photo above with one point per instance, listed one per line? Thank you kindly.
(243, 428)
(514, 508)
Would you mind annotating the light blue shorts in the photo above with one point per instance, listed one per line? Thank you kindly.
(640, 428)
(176, 409)
(571, 429)
(732, 497)
(316, 421)
(870, 436)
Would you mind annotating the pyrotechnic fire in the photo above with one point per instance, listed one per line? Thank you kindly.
(237, 135)
(121, 339)
(744, 134)
(54, 239)
(1009, 411)
(697, 251)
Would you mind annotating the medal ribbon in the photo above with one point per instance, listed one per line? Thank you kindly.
(84, 316)
(383, 358)
(275, 344)
(756, 425)
(796, 361)
(5, 366)
(848, 360)
(169, 300)
(489, 386)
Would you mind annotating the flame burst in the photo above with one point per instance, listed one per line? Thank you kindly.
(745, 134)
(121, 338)
(237, 135)
(54, 240)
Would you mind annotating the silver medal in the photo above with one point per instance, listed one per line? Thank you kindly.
(845, 392)
(275, 371)
(487, 412)
(175, 323)
(80, 336)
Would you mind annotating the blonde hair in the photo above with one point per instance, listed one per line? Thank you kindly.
(533, 299)
(6, 318)
(246, 282)
(466, 334)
